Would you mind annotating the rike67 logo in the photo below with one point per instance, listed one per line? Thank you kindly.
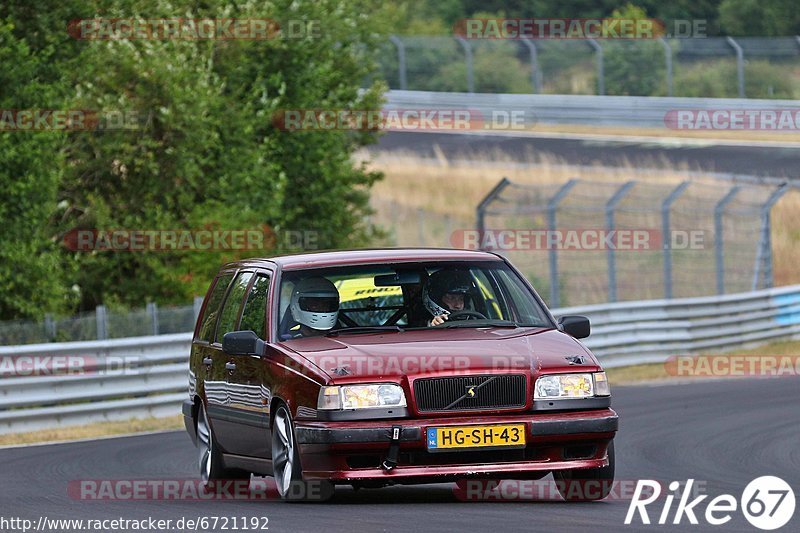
(767, 502)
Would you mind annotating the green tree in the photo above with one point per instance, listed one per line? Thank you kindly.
(204, 155)
(762, 18)
(208, 155)
(31, 278)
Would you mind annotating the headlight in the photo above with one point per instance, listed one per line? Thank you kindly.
(361, 396)
(586, 385)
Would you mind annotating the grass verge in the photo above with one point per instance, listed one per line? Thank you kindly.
(92, 431)
(628, 375)
(735, 135)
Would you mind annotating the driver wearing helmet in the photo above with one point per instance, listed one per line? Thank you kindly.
(314, 306)
(447, 291)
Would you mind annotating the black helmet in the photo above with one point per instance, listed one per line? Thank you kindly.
(444, 282)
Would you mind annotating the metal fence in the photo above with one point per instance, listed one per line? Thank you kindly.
(148, 376)
(694, 238)
(749, 67)
(103, 323)
(120, 379)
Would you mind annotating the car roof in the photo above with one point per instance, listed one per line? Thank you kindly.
(364, 256)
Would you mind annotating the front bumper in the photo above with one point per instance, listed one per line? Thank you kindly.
(353, 451)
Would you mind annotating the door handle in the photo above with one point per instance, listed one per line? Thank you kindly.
(207, 361)
(230, 367)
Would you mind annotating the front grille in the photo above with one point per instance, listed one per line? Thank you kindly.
(451, 393)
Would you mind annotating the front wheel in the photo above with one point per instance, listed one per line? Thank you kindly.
(286, 464)
(588, 484)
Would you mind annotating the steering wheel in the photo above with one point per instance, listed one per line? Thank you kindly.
(466, 315)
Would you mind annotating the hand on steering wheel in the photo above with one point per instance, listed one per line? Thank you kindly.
(466, 315)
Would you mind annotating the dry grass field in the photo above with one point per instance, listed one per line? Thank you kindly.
(421, 200)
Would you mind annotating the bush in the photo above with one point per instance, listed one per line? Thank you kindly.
(717, 78)
(496, 70)
(634, 68)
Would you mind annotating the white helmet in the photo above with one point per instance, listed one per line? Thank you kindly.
(315, 303)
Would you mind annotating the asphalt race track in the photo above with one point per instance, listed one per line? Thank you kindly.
(725, 433)
(774, 161)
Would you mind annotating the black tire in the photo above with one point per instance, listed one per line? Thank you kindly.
(213, 472)
(287, 471)
(587, 484)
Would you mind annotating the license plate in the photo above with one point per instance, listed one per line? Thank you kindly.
(466, 437)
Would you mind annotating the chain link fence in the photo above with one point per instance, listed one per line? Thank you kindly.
(605, 242)
(102, 323)
(719, 67)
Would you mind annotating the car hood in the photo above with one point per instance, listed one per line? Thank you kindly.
(346, 358)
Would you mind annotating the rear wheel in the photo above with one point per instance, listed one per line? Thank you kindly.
(212, 468)
(286, 464)
(589, 484)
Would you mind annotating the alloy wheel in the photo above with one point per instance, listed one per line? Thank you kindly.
(283, 451)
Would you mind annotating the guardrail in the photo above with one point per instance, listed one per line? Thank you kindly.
(147, 376)
(75, 383)
(588, 110)
(632, 333)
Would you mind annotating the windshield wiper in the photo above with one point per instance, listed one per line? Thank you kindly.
(480, 324)
(363, 329)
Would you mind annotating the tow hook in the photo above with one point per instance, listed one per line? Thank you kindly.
(394, 448)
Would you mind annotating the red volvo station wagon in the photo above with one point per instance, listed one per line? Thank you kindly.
(398, 366)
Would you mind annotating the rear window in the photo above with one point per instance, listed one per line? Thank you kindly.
(255, 308)
(233, 304)
(208, 321)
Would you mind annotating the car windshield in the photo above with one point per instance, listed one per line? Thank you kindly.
(409, 295)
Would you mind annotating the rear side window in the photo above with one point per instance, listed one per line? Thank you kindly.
(208, 321)
(233, 304)
(255, 308)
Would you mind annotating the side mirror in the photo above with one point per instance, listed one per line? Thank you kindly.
(242, 343)
(575, 325)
